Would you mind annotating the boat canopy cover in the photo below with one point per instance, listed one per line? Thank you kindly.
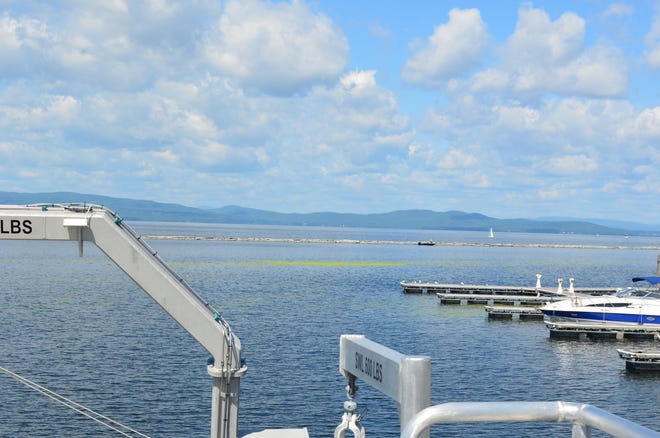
(652, 280)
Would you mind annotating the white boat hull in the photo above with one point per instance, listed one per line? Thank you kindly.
(627, 308)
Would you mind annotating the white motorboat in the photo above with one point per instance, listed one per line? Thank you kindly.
(629, 307)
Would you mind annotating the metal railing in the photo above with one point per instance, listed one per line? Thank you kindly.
(584, 417)
(407, 379)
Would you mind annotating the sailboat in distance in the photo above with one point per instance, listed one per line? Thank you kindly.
(491, 235)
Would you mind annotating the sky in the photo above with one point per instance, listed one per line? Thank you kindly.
(510, 109)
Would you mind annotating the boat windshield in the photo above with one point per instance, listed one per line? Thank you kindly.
(654, 295)
(638, 293)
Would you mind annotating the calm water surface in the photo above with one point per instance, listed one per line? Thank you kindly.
(80, 327)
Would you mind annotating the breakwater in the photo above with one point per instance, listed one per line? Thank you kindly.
(400, 242)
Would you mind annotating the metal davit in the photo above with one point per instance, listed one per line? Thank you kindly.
(99, 225)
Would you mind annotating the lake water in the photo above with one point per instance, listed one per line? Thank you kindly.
(80, 327)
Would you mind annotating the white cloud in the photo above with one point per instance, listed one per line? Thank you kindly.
(9, 39)
(20, 41)
(618, 10)
(647, 124)
(216, 156)
(356, 121)
(358, 79)
(653, 57)
(434, 121)
(517, 118)
(559, 148)
(277, 48)
(572, 164)
(197, 124)
(112, 45)
(452, 51)
(167, 155)
(652, 41)
(561, 126)
(550, 56)
(51, 112)
(598, 72)
(425, 156)
(548, 193)
(489, 80)
(378, 31)
(456, 158)
(538, 40)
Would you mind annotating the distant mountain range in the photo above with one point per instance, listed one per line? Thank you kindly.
(143, 210)
(624, 225)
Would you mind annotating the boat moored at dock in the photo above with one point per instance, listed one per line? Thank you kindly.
(630, 313)
(630, 307)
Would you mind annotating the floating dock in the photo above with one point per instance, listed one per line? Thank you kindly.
(488, 299)
(641, 360)
(587, 331)
(413, 287)
(521, 313)
(493, 294)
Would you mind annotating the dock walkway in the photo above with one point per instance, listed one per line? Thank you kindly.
(641, 360)
(576, 330)
(521, 313)
(490, 299)
(414, 287)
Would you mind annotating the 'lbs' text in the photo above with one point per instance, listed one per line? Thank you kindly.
(14, 226)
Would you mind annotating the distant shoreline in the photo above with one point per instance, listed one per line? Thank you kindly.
(397, 242)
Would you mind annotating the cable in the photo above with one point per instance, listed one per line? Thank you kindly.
(83, 410)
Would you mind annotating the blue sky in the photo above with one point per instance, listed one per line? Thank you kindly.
(510, 109)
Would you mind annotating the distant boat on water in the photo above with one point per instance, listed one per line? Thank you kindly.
(491, 235)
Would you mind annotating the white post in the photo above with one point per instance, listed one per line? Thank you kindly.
(224, 402)
(414, 389)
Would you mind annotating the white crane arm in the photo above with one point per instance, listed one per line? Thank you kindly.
(99, 225)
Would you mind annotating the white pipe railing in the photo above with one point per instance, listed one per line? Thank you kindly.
(584, 417)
